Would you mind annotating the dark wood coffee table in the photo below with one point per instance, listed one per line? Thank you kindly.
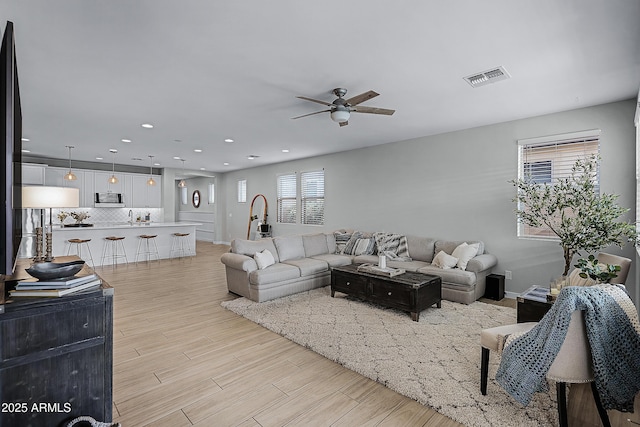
(412, 292)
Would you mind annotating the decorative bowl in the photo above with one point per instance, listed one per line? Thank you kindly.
(53, 270)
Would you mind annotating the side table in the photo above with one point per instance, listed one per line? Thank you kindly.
(533, 304)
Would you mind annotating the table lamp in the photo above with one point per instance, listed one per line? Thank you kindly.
(41, 197)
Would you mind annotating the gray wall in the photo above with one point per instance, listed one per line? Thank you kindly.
(452, 186)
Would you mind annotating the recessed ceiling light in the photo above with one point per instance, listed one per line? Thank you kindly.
(113, 150)
(177, 140)
(99, 158)
(147, 125)
(137, 159)
(226, 163)
(285, 150)
(202, 169)
(156, 164)
(26, 151)
(125, 140)
(251, 157)
(176, 157)
(26, 139)
(228, 140)
(197, 150)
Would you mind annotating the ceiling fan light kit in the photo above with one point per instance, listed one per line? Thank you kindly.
(341, 108)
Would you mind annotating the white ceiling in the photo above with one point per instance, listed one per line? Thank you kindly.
(91, 72)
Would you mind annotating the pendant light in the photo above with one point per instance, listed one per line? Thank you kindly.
(151, 181)
(70, 176)
(182, 182)
(113, 179)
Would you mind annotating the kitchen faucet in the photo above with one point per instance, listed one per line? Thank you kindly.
(130, 216)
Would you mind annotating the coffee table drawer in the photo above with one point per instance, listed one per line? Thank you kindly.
(349, 283)
(393, 294)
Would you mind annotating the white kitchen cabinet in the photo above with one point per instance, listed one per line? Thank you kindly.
(102, 185)
(32, 174)
(144, 195)
(54, 177)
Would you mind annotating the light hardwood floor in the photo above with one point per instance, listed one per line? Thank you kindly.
(180, 359)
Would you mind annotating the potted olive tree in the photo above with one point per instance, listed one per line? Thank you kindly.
(572, 209)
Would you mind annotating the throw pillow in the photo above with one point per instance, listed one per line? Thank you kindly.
(264, 259)
(341, 240)
(394, 243)
(361, 247)
(464, 252)
(444, 260)
(348, 247)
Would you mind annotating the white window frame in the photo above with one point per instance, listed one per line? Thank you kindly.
(212, 193)
(310, 196)
(287, 179)
(242, 191)
(562, 150)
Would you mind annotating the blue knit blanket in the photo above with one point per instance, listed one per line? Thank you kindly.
(613, 331)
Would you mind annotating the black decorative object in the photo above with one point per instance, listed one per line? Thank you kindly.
(53, 270)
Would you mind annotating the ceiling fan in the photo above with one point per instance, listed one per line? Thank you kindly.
(342, 108)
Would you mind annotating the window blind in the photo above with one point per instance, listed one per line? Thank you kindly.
(312, 197)
(287, 199)
(546, 160)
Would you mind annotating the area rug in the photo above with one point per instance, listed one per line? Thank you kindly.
(435, 361)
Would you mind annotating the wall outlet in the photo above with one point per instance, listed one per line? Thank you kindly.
(507, 275)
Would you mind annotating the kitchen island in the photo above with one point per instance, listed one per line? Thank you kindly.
(131, 233)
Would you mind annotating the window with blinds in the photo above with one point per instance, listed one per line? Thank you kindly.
(312, 197)
(545, 160)
(242, 191)
(287, 199)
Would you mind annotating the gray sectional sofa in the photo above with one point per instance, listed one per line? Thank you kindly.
(303, 262)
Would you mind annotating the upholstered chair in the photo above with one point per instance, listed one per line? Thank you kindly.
(571, 365)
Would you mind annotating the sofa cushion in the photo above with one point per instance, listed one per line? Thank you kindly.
(394, 243)
(421, 248)
(448, 246)
(315, 244)
(250, 247)
(264, 259)
(274, 273)
(464, 252)
(452, 276)
(334, 260)
(331, 242)
(289, 247)
(308, 266)
(444, 261)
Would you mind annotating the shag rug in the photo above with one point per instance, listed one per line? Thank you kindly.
(435, 361)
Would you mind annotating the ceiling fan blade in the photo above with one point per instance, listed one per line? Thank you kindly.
(343, 123)
(362, 97)
(372, 110)
(328, 104)
(310, 114)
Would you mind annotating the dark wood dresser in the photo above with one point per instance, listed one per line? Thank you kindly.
(56, 358)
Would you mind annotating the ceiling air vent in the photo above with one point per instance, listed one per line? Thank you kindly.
(486, 77)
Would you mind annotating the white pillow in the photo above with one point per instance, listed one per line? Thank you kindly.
(264, 259)
(444, 260)
(464, 252)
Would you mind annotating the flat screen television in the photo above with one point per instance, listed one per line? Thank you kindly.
(11, 160)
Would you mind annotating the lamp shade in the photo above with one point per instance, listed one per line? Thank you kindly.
(340, 115)
(40, 197)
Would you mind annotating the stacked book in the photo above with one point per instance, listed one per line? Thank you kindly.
(55, 288)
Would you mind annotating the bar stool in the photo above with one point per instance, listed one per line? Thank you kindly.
(147, 249)
(78, 245)
(113, 244)
(180, 246)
